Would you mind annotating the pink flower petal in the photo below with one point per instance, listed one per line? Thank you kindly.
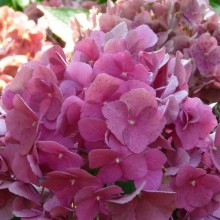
(117, 118)
(25, 190)
(92, 129)
(101, 157)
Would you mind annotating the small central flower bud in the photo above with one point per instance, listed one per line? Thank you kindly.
(49, 94)
(72, 182)
(34, 124)
(97, 198)
(193, 183)
(90, 62)
(73, 205)
(117, 160)
(60, 155)
(124, 74)
(131, 122)
(214, 148)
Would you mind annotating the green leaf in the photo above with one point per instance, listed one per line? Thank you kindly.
(214, 2)
(5, 2)
(93, 171)
(58, 20)
(23, 3)
(216, 8)
(128, 187)
(15, 4)
(216, 5)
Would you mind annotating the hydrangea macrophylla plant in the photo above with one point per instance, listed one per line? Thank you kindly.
(110, 134)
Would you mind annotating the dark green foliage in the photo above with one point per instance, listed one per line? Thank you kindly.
(216, 5)
(17, 5)
(128, 187)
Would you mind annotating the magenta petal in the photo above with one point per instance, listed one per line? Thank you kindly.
(124, 211)
(22, 123)
(70, 115)
(106, 64)
(171, 87)
(7, 98)
(140, 73)
(68, 88)
(102, 88)
(91, 111)
(144, 30)
(34, 165)
(57, 179)
(147, 128)
(134, 167)
(110, 173)
(79, 72)
(92, 129)
(215, 155)
(178, 158)
(217, 137)
(115, 45)
(20, 105)
(128, 198)
(25, 174)
(29, 214)
(19, 82)
(25, 190)
(109, 191)
(119, 31)
(87, 207)
(87, 210)
(206, 53)
(136, 40)
(153, 180)
(156, 205)
(123, 60)
(3, 166)
(54, 109)
(89, 47)
(138, 99)
(117, 118)
(186, 173)
(6, 212)
(155, 159)
(57, 157)
(57, 60)
(101, 157)
(198, 124)
(198, 197)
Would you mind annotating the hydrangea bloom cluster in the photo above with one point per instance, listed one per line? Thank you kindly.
(20, 40)
(190, 26)
(111, 134)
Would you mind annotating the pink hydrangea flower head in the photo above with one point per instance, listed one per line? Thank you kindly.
(22, 117)
(138, 205)
(129, 119)
(206, 53)
(192, 116)
(115, 166)
(90, 201)
(194, 188)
